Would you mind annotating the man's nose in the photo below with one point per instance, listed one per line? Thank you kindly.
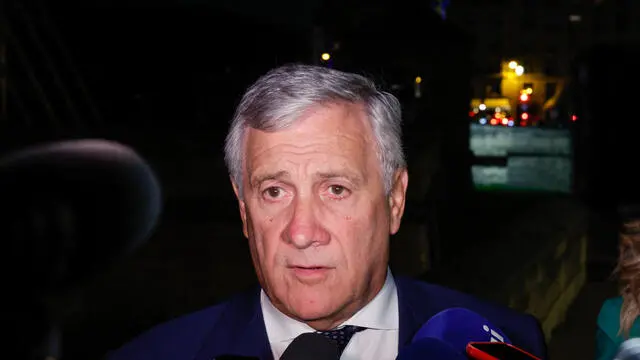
(304, 228)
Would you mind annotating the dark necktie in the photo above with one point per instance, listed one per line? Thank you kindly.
(341, 336)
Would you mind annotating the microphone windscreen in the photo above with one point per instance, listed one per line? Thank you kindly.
(458, 327)
(429, 348)
(629, 350)
(69, 208)
(310, 346)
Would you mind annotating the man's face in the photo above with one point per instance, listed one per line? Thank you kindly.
(317, 216)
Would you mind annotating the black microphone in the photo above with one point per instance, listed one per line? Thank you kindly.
(67, 210)
(311, 346)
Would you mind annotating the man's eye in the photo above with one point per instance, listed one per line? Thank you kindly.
(337, 190)
(273, 192)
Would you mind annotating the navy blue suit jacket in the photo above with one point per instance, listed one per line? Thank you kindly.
(236, 327)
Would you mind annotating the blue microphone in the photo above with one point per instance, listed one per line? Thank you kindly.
(446, 335)
(458, 327)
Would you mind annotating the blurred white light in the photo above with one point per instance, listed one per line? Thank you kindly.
(575, 18)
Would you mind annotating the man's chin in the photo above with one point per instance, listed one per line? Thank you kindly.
(314, 313)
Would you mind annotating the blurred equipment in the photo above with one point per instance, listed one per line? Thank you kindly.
(497, 351)
(310, 346)
(629, 350)
(67, 211)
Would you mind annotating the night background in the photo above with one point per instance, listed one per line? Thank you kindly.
(520, 121)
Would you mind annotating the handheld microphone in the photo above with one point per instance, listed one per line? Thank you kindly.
(70, 208)
(447, 334)
(310, 346)
(67, 210)
(629, 350)
(458, 327)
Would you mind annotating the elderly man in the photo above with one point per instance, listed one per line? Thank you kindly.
(316, 162)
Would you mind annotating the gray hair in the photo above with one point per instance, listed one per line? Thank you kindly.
(277, 99)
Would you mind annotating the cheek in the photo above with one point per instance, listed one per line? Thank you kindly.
(359, 242)
(366, 235)
(265, 237)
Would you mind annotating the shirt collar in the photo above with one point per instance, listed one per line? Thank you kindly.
(380, 313)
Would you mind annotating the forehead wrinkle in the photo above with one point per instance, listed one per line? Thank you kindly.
(319, 172)
(361, 142)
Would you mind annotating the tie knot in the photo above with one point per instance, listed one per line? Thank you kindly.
(341, 336)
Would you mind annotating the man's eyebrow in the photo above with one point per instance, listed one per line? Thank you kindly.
(258, 179)
(352, 177)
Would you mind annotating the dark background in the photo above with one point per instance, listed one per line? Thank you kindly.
(164, 77)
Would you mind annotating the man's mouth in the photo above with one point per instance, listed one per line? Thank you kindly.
(313, 267)
(310, 274)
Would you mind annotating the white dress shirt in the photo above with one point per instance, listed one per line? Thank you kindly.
(380, 318)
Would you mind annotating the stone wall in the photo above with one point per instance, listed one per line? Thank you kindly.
(547, 287)
(537, 265)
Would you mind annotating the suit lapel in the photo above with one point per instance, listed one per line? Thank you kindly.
(414, 310)
(239, 331)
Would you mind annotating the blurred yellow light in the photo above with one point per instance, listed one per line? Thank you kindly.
(326, 56)
(528, 91)
(418, 79)
(512, 65)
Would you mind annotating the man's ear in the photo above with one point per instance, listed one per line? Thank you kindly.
(397, 199)
(243, 209)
